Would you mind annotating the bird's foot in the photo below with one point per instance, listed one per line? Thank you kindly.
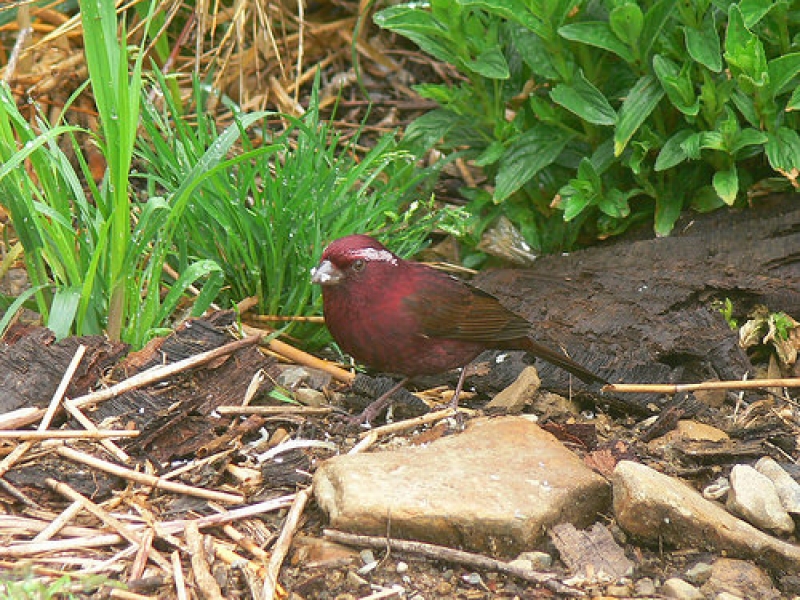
(378, 406)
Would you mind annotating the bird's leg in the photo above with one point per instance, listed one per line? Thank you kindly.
(383, 401)
(459, 386)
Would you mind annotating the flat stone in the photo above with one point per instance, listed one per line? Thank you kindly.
(496, 487)
(656, 507)
(739, 578)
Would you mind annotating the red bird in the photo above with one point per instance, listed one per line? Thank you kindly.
(404, 317)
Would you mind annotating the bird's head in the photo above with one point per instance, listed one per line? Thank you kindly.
(349, 258)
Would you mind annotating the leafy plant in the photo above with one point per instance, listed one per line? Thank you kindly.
(266, 215)
(589, 116)
(93, 255)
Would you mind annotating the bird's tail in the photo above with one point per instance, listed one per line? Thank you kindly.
(561, 360)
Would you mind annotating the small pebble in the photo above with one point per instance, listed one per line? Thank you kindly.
(681, 590)
(540, 561)
(444, 589)
(472, 579)
(354, 580)
(644, 587)
(402, 567)
(699, 573)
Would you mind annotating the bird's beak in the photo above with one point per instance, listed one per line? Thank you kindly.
(326, 274)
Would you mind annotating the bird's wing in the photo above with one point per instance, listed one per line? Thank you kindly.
(449, 308)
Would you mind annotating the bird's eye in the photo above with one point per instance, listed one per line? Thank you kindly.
(358, 265)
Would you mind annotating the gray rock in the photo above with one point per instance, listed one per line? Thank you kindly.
(699, 573)
(680, 589)
(497, 487)
(788, 489)
(655, 507)
(753, 497)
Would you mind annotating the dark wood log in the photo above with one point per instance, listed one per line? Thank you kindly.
(642, 310)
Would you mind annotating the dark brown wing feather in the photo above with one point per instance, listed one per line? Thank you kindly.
(446, 307)
(455, 310)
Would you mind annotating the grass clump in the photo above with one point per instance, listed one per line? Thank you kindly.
(266, 215)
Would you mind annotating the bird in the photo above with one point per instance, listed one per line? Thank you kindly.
(404, 317)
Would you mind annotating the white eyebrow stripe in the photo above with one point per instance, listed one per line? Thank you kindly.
(373, 254)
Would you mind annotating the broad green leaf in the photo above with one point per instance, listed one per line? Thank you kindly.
(706, 199)
(655, 19)
(427, 130)
(744, 103)
(420, 27)
(491, 155)
(754, 10)
(744, 51)
(515, 11)
(490, 64)
(626, 21)
(533, 51)
(678, 85)
(598, 34)
(615, 203)
(783, 149)
(712, 140)
(673, 152)
(748, 137)
(703, 44)
(575, 204)
(642, 100)
(443, 94)
(782, 73)
(585, 100)
(530, 153)
(726, 184)
(794, 101)
(667, 212)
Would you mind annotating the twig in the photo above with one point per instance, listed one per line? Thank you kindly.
(676, 388)
(69, 544)
(393, 592)
(146, 479)
(140, 561)
(47, 416)
(281, 547)
(76, 413)
(411, 423)
(274, 410)
(149, 376)
(59, 522)
(202, 576)
(245, 542)
(196, 464)
(445, 554)
(13, 524)
(66, 434)
(177, 576)
(302, 358)
(129, 534)
(229, 516)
